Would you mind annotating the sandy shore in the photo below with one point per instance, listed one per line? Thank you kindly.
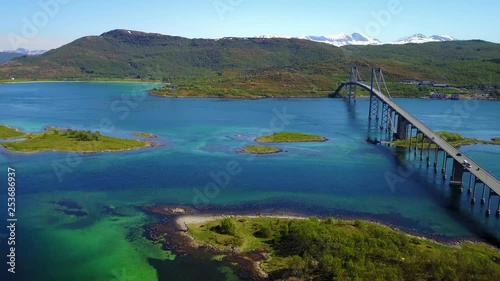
(182, 222)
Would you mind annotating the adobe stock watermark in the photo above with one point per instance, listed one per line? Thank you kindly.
(381, 19)
(403, 173)
(122, 107)
(222, 7)
(458, 113)
(48, 9)
(221, 179)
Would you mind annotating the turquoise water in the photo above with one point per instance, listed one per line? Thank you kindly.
(344, 176)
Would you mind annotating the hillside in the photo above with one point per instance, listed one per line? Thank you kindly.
(253, 66)
(6, 56)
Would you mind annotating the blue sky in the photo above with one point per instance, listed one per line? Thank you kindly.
(48, 24)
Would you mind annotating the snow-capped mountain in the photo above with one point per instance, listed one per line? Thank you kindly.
(420, 38)
(24, 51)
(344, 39)
(338, 40)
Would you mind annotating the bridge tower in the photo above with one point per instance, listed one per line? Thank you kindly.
(385, 117)
(350, 88)
(373, 112)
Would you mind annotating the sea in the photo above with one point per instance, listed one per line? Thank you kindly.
(196, 163)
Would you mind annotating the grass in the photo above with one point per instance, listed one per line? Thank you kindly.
(260, 149)
(330, 249)
(7, 132)
(290, 137)
(454, 139)
(51, 141)
(144, 135)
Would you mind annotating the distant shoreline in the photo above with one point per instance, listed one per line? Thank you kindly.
(235, 97)
(76, 81)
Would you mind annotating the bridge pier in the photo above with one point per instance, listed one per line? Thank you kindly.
(473, 200)
(402, 128)
(470, 182)
(436, 156)
(488, 209)
(416, 144)
(482, 195)
(411, 136)
(457, 174)
(443, 170)
(422, 148)
(498, 208)
(429, 154)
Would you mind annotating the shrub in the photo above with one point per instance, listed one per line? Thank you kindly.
(264, 232)
(227, 227)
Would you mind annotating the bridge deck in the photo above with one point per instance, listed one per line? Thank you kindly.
(481, 174)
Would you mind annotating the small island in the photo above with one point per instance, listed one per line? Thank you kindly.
(67, 140)
(144, 135)
(260, 149)
(454, 139)
(329, 249)
(290, 137)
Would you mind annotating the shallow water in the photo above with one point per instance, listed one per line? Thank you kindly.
(199, 163)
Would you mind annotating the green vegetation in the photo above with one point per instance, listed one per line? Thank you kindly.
(72, 141)
(7, 132)
(258, 67)
(313, 249)
(144, 135)
(290, 137)
(260, 149)
(454, 139)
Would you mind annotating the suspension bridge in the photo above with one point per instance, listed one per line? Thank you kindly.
(387, 116)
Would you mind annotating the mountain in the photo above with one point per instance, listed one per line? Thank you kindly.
(261, 65)
(23, 51)
(19, 52)
(420, 38)
(344, 39)
(7, 56)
